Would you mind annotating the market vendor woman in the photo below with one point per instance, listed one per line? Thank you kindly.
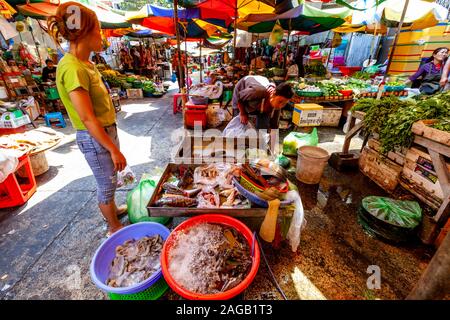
(256, 95)
(429, 74)
(88, 103)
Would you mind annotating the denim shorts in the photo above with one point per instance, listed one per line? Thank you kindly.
(100, 162)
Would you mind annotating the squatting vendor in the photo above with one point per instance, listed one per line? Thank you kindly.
(256, 95)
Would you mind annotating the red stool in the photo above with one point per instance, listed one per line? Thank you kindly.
(195, 113)
(176, 108)
(12, 193)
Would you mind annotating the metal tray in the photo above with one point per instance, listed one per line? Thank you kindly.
(216, 149)
(154, 211)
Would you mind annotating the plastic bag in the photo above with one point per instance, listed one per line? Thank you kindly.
(298, 220)
(407, 214)
(276, 35)
(138, 198)
(125, 177)
(174, 77)
(236, 129)
(8, 165)
(295, 140)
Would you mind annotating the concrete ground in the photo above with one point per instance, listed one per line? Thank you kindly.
(47, 244)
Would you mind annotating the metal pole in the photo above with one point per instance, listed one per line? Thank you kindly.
(331, 49)
(287, 45)
(235, 33)
(391, 55)
(180, 68)
(201, 63)
(187, 69)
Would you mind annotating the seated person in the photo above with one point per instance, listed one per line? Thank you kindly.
(430, 73)
(98, 59)
(49, 72)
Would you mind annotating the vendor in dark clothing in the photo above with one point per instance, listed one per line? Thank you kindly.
(49, 72)
(428, 75)
(256, 95)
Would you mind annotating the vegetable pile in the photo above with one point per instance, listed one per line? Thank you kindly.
(393, 118)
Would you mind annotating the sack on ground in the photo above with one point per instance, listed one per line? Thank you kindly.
(295, 140)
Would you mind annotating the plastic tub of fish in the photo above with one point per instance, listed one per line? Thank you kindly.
(104, 263)
(195, 245)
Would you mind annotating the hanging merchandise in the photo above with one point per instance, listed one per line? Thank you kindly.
(276, 35)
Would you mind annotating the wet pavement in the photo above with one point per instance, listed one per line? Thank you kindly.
(47, 244)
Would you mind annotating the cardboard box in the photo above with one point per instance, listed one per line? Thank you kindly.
(135, 94)
(307, 115)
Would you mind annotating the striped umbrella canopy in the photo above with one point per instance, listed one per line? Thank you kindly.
(191, 22)
(371, 14)
(304, 18)
(42, 9)
(6, 10)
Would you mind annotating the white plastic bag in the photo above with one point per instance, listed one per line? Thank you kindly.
(298, 220)
(236, 129)
(8, 165)
(125, 177)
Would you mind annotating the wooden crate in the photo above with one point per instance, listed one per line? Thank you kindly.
(397, 157)
(416, 189)
(442, 234)
(422, 128)
(419, 170)
(331, 116)
(380, 169)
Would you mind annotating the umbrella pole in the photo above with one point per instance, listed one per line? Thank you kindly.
(180, 68)
(391, 55)
(235, 33)
(287, 45)
(201, 63)
(256, 49)
(187, 69)
(331, 48)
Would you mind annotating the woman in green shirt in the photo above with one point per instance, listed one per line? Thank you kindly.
(88, 103)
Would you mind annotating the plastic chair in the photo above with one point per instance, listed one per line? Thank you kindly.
(176, 96)
(55, 116)
(13, 193)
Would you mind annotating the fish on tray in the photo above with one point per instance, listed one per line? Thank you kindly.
(176, 201)
(174, 190)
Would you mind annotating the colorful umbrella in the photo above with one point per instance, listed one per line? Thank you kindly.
(305, 18)
(6, 10)
(236, 8)
(191, 22)
(419, 14)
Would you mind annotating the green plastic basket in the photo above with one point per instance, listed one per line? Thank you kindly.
(52, 94)
(309, 93)
(153, 293)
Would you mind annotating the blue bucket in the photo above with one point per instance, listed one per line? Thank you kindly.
(105, 254)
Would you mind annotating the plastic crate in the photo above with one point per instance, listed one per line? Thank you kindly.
(14, 122)
(152, 293)
(52, 93)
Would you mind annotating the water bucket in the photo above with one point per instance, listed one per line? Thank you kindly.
(311, 162)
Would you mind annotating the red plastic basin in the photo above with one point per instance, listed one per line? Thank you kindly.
(218, 219)
(348, 71)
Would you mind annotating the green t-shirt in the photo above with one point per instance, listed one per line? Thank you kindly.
(71, 74)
